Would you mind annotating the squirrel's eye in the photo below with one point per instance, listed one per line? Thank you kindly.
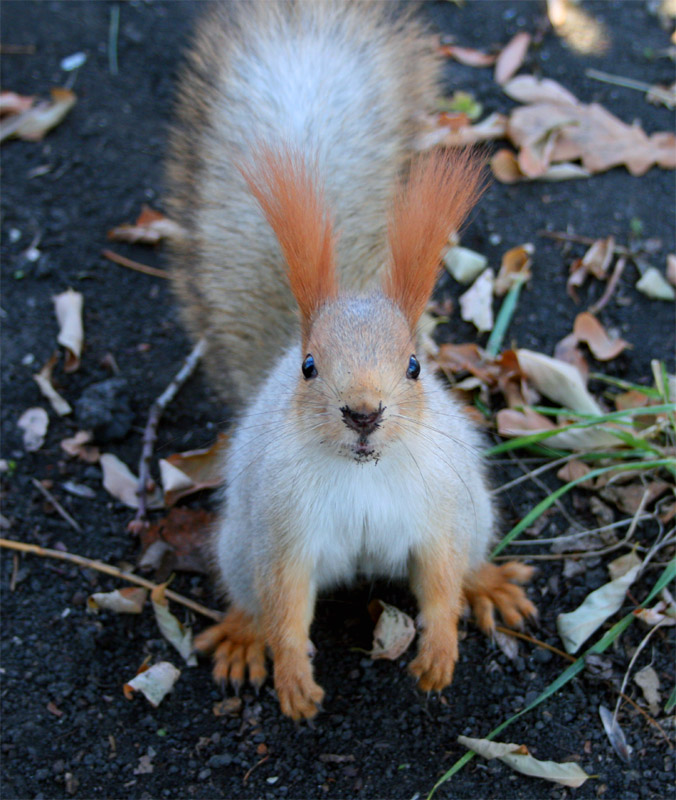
(413, 368)
(309, 369)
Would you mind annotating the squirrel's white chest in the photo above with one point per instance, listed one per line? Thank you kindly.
(365, 519)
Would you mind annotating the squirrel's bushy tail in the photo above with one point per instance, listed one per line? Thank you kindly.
(342, 83)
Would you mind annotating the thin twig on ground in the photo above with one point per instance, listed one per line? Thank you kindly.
(116, 258)
(618, 269)
(57, 506)
(562, 236)
(150, 433)
(108, 569)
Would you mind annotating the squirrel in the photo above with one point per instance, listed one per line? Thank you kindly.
(313, 245)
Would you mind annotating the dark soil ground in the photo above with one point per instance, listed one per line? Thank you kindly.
(104, 161)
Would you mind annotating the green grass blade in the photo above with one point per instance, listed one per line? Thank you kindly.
(671, 702)
(536, 438)
(646, 390)
(504, 317)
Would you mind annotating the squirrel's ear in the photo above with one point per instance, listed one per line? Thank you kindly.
(440, 192)
(287, 189)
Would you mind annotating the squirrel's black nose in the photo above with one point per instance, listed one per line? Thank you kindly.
(362, 420)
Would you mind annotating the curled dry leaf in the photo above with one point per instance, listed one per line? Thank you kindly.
(505, 167)
(34, 423)
(119, 481)
(528, 89)
(615, 734)
(511, 58)
(80, 447)
(589, 330)
(123, 601)
(468, 56)
(663, 613)
(44, 382)
(649, 682)
(393, 633)
(192, 471)
(154, 683)
(620, 566)
(574, 470)
(13, 103)
(653, 285)
(515, 267)
(463, 264)
(177, 634)
(462, 135)
(558, 381)
(178, 542)
(476, 304)
(577, 626)
(150, 228)
(588, 133)
(594, 262)
(68, 307)
(568, 351)
(671, 269)
(34, 122)
(518, 758)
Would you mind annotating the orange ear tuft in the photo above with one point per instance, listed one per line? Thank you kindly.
(286, 187)
(439, 194)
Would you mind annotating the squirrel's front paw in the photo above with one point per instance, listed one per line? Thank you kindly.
(435, 662)
(299, 695)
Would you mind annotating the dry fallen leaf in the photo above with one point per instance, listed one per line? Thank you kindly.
(192, 471)
(177, 634)
(558, 381)
(476, 304)
(119, 481)
(34, 122)
(468, 56)
(621, 565)
(150, 228)
(154, 683)
(595, 262)
(34, 423)
(463, 264)
(123, 601)
(663, 613)
(517, 757)
(13, 103)
(575, 627)
(515, 266)
(589, 330)
(649, 682)
(511, 58)
(80, 447)
(555, 127)
(393, 633)
(178, 542)
(615, 734)
(528, 89)
(653, 285)
(671, 269)
(463, 135)
(68, 307)
(44, 382)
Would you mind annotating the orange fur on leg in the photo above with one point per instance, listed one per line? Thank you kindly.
(237, 645)
(288, 605)
(493, 586)
(436, 580)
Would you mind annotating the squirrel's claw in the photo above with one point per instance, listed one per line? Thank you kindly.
(237, 648)
(494, 587)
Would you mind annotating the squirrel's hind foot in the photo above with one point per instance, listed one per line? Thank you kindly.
(494, 587)
(237, 647)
